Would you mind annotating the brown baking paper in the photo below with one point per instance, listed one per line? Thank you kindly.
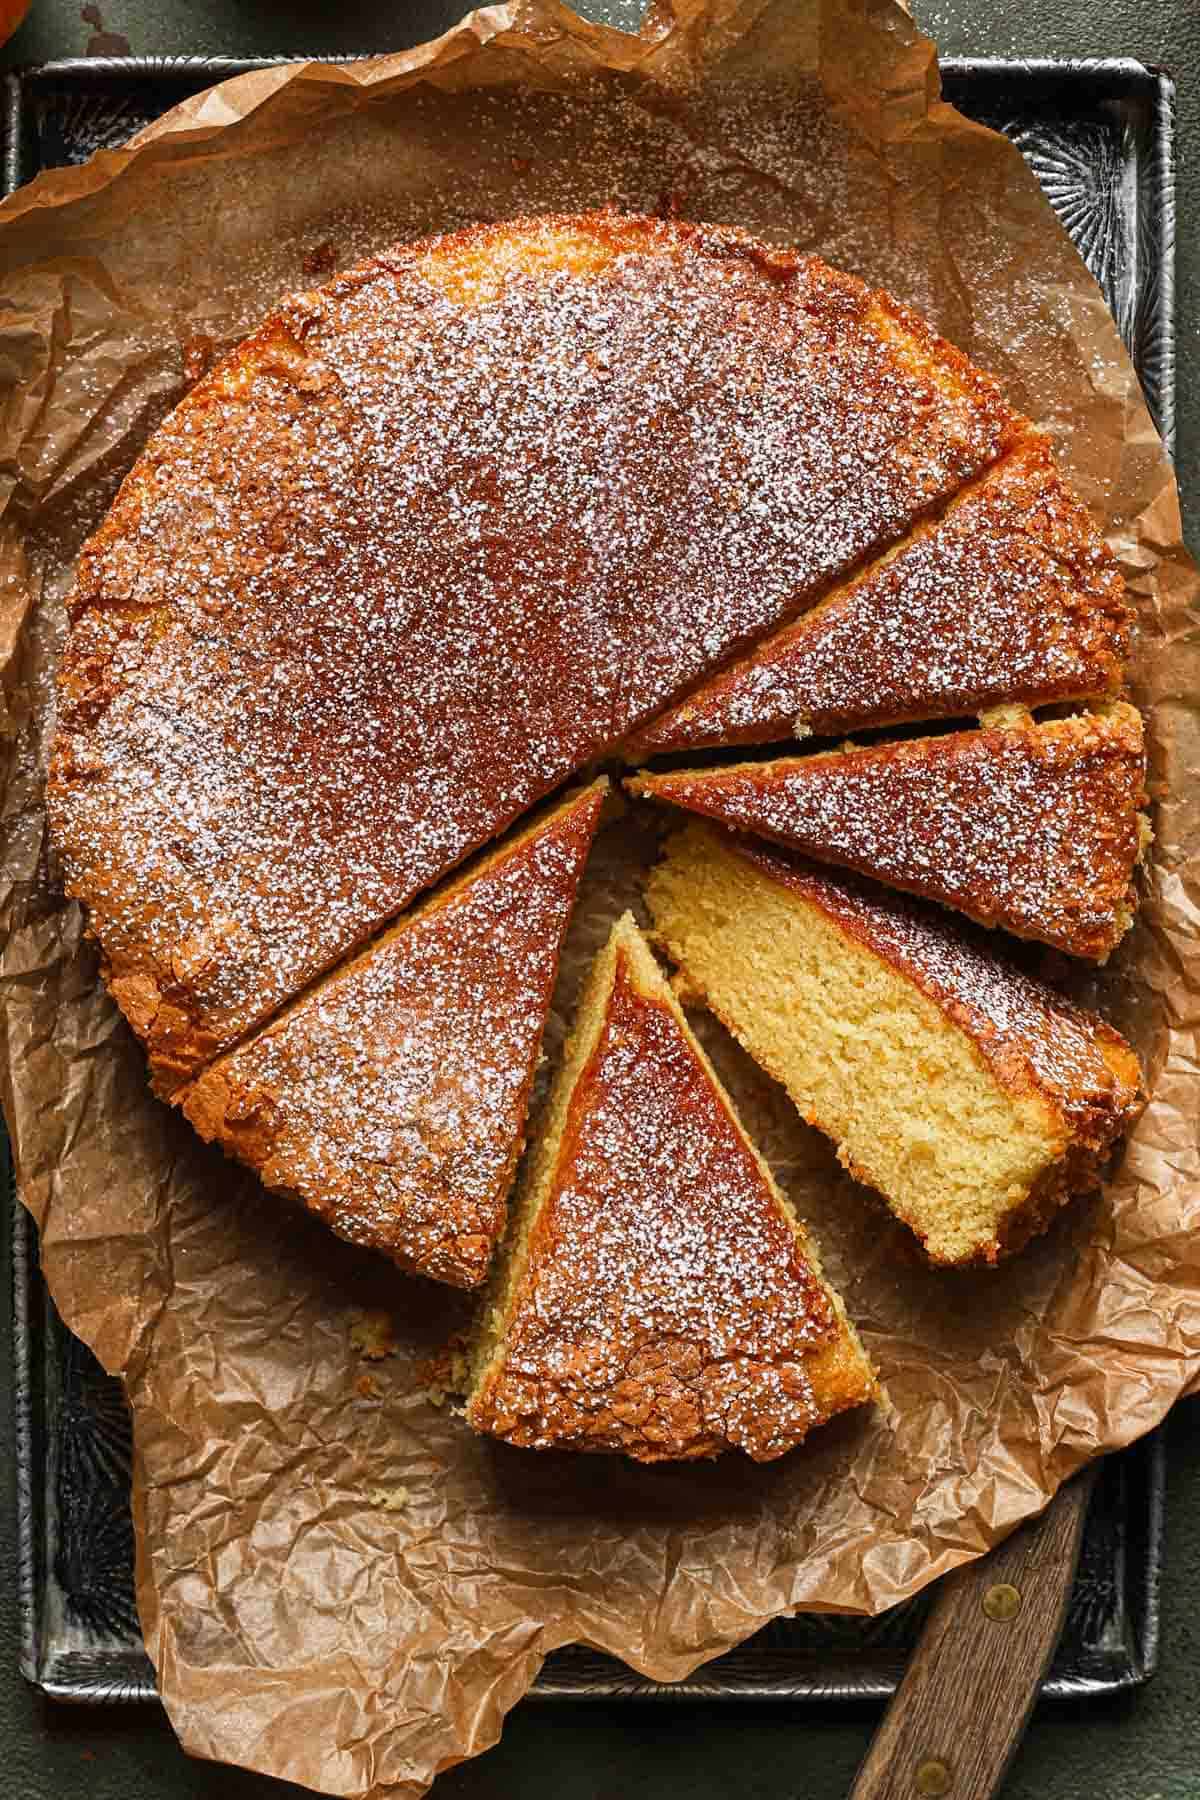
(340, 1584)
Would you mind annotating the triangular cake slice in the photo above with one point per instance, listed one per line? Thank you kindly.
(391, 1098)
(1010, 596)
(1034, 827)
(658, 1295)
(971, 1096)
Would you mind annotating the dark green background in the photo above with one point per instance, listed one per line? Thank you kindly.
(1144, 1748)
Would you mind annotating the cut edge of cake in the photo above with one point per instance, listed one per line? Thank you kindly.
(841, 1372)
(799, 682)
(973, 1098)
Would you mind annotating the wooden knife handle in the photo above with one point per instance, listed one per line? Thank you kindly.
(961, 1709)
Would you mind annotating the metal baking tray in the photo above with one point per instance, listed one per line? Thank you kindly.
(1100, 136)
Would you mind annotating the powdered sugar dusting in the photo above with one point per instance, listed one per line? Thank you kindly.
(387, 578)
(392, 1099)
(1035, 828)
(1013, 596)
(667, 1309)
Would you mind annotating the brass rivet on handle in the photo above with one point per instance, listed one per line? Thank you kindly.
(933, 1778)
(1002, 1602)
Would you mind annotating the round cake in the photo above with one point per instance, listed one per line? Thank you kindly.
(455, 526)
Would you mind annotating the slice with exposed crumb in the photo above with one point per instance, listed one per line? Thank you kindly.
(972, 1097)
(657, 1294)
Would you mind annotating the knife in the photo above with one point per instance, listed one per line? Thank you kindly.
(961, 1709)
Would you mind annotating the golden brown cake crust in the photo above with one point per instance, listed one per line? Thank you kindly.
(431, 538)
(667, 1309)
(1011, 595)
(391, 1099)
(1035, 1041)
(1034, 827)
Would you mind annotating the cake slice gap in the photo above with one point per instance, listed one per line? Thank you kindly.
(1031, 826)
(657, 1295)
(1009, 595)
(391, 1098)
(972, 1097)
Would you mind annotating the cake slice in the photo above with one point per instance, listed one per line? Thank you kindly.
(1034, 827)
(657, 1295)
(972, 1097)
(391, 1098)
(1011, 595)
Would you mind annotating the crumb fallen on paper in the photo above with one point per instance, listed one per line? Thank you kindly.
(393, 1499)
(1005, 718)
(321, 259)
(371, 1334)
(445, 1375)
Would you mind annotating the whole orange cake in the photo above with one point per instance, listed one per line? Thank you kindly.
(434, 536)
(657, 1296)
(456, 526)
(391, 1098)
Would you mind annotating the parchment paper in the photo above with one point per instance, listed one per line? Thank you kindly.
(338, 1583)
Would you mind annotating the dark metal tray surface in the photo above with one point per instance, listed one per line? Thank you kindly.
(1100, 137)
